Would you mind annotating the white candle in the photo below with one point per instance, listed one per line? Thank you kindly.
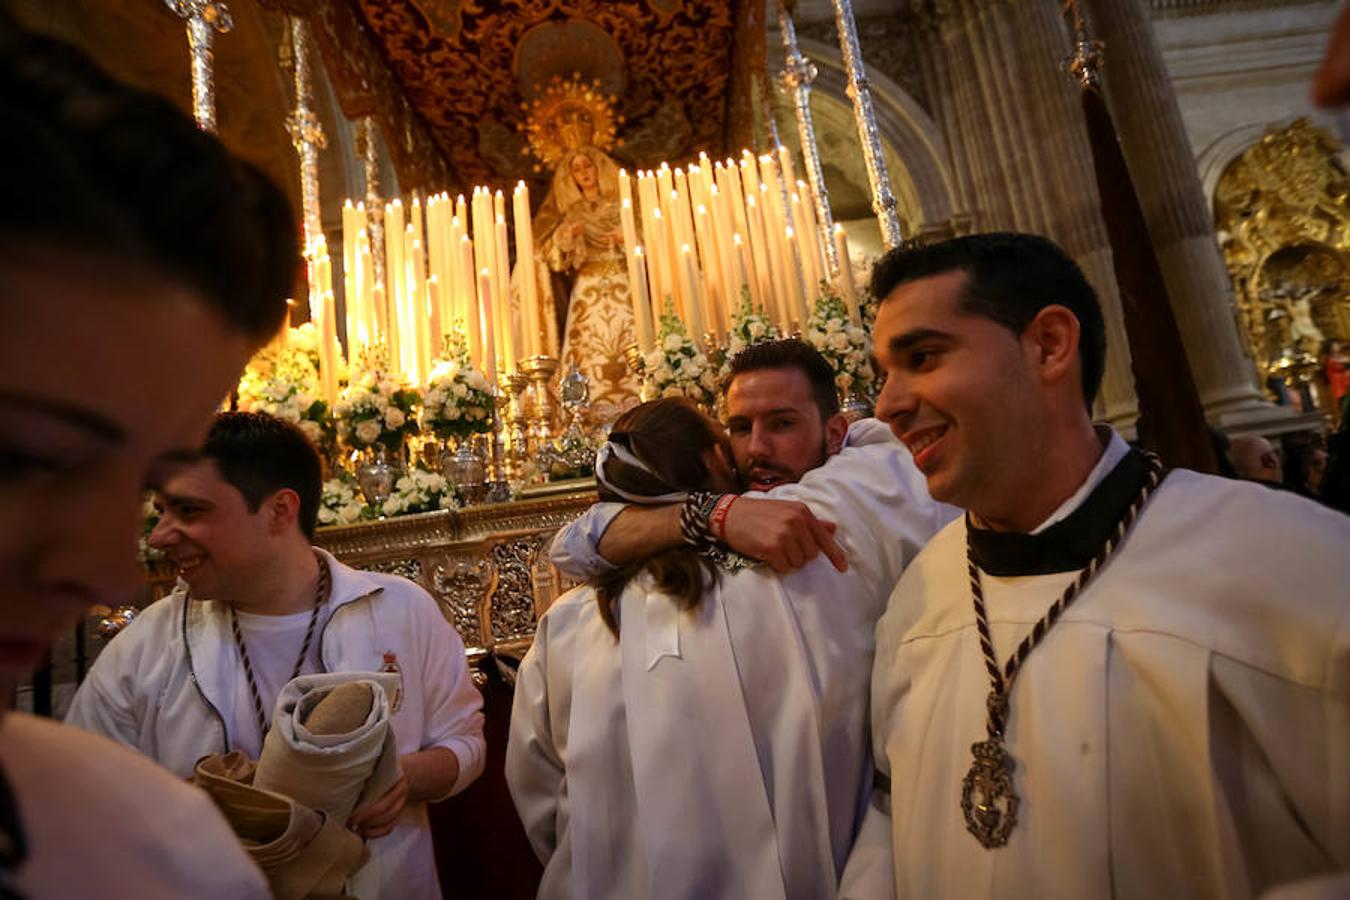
(434, 315)
(531, 323)
(796, 278)
(485, 306)
(501, 288)
(472, 328)
(846, 285)
(742, 265)
(642, 301)
(695, 292)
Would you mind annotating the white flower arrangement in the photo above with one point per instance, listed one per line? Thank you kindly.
(419, 490)
(749, 325)
(378, 407)
(341, 503)
(677, 367)
(283, 382)
(846, 346)
(458, 400)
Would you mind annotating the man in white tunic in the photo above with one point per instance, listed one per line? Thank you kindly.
(1106, 680)
(199, 671)
(718, 751)
(783, 425)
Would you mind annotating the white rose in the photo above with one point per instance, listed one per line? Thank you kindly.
(327, 516)
(476, 380)
(673, 342)
(392, 506)
(452, 412)
(839, 341)
(393, 418)
(461, 391)
(311, 430)
(843, 380)
(756, 329)
(818, 339)
(368, 431)
(368, 380)
(672, 391)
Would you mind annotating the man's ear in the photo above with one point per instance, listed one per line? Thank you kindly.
(283, 510)
(836, 428)
(1051, 343)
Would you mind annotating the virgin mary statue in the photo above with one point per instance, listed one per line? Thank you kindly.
(577, 230)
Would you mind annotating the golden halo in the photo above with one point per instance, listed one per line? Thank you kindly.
(567, 114)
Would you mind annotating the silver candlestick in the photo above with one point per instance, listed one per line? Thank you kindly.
(205, 19)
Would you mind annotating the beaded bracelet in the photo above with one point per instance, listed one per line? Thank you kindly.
(694, 519)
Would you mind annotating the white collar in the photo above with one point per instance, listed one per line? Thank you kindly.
(1112, 453)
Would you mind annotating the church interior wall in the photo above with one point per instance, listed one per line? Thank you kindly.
(1237, 71)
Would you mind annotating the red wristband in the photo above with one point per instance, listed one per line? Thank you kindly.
(717, 522)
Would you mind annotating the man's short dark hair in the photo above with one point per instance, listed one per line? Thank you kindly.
(94, 167)
(790, 353)
(1012, 277)
(260, 455)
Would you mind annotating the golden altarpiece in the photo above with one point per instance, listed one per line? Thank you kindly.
(1282, 209)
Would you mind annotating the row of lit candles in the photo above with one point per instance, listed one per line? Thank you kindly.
(710, 230)
(706, 233)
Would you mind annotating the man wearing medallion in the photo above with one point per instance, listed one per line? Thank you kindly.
(199, 671)
(1107, 679)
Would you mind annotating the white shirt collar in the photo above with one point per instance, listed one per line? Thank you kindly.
(1112, 454)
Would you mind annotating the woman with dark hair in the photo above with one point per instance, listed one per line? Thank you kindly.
(685, 729)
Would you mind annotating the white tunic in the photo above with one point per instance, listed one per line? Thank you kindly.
(1183, 731)
(720, 752)
(172, 686)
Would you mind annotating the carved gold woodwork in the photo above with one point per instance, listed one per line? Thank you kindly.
(1283, 220)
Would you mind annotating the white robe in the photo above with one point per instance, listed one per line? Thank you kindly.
(720, 752)
(1183, 731)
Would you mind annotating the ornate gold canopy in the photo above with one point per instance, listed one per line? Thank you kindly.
(678, 70)
(1284, 221)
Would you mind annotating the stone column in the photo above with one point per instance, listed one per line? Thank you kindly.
(1148, 121)
(931, 64)
(1019, 128)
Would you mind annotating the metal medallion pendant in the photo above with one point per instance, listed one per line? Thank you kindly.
(987, 796)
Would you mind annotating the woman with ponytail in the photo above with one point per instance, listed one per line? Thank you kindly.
(688, 727)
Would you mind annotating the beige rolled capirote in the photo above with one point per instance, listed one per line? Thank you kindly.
(352, 764)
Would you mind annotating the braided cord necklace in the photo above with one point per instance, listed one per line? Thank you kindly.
(320, 595)
(988, 800)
